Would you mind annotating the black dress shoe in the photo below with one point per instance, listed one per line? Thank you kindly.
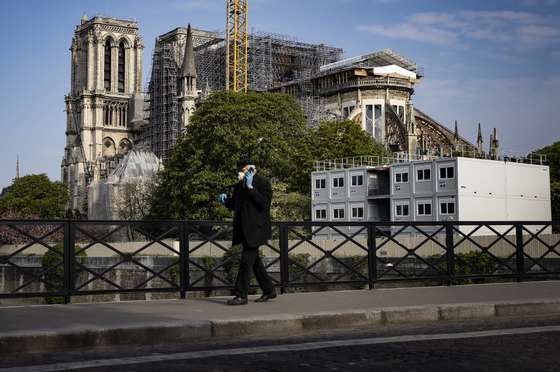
(266, 297)
(238, 301)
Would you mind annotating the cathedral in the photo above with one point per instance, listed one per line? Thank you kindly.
(106, 107)
(115, 131)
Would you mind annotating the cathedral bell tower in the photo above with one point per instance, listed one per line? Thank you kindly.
(186, 91)
(106, 75)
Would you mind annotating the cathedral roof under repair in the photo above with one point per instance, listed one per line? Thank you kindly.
(138, 163)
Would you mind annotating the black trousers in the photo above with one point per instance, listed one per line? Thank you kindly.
(251, 262)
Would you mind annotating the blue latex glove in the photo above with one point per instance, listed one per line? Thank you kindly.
(249, 180)
(222, 198)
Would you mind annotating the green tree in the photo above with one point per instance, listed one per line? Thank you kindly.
(35, 195)
(552, 153)
(555, 200)
(289, 206)
(270, 128)
(341, 139)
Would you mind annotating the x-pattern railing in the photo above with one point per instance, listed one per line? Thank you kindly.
(411, 252)
(204, 239)
(550, 248)
(485, 250)
(327, 254)
(126, 257)
(80, 237)
(35, 277)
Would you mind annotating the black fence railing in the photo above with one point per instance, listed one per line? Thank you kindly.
(65, 258)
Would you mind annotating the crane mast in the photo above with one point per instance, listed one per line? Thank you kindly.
(237, 45)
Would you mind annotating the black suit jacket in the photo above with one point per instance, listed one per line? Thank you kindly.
(251, 219)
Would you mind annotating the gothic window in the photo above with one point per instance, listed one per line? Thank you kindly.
(84, 66)
(378, 125)
(108, 147)
(401, 112)
(369, 119)
(107, 66)
(121, 67)
(107, 114)
(124, 146)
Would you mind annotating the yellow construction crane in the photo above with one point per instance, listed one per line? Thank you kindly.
(237, 45)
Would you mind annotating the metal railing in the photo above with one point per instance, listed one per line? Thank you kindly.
(366, 161)
(386, 161)
(93, 257)
(379, 190)
(368, 82)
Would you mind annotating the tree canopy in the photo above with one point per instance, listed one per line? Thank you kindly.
(268, 128)
(35, 196)
(340, 139)
(552, 153)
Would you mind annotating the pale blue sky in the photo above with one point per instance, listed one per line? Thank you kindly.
(490, 61)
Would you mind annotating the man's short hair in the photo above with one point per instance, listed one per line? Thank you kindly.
(243, 162)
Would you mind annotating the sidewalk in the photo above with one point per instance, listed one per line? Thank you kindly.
(60, 327)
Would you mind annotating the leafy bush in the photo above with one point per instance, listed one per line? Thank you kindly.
(206, 262)
(296, 268)
(470, 263)
(55, 277)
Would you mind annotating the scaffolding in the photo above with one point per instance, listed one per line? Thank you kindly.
(273, 60)
(164, 124)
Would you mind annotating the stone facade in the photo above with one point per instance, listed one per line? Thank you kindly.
(106, 82)
(375, 91)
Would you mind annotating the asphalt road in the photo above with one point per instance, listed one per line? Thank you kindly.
(442, 346)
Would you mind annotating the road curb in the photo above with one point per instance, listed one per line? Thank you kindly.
(93, 337)
(528, 308)
(12, 342)
(277, 324)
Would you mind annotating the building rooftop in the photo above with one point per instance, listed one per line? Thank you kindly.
(367, 161)
(375, 59)
(109, 21)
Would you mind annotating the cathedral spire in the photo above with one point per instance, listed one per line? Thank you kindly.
(187, 94)
(456, 135)
(494, 143)
(479, 141)
(188, 69)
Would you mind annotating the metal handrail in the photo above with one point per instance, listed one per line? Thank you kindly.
(368, 82)
(370, 239)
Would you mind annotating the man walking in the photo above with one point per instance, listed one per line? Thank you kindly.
(250, 203)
